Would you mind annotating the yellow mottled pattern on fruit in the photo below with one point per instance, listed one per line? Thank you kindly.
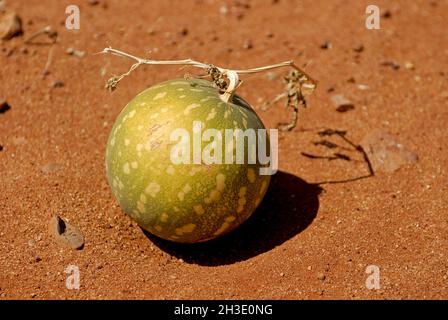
(181, 202)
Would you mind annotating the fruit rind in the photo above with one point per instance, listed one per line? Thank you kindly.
(184, 202)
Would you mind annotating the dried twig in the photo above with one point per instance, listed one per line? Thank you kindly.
(46, 70)
(48, 30)
(53, 37)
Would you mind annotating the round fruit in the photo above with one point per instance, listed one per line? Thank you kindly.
(195, 200)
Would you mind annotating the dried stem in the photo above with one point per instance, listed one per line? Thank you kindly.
(53, 37)
(217, 73)
(48, 30)
(46, 70)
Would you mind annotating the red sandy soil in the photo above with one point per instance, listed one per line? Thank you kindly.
(306, 241)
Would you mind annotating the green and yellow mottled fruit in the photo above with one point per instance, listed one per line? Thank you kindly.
(181, 202)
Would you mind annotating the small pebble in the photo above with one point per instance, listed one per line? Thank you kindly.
(409, 65)
(184, 32)
(385, 153)
(247, 44)
(342, 103)
(73, 52)
(10, 26)
(4, 105)
(392, 64)
(345, 108)
(326, 45)
(362, 87)
(66, 233)
(57, 84)
(239, 15)
(321, 276)
(151, 31)
(99, 35)
(387, 14)
(359, 48)
(224, 9)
